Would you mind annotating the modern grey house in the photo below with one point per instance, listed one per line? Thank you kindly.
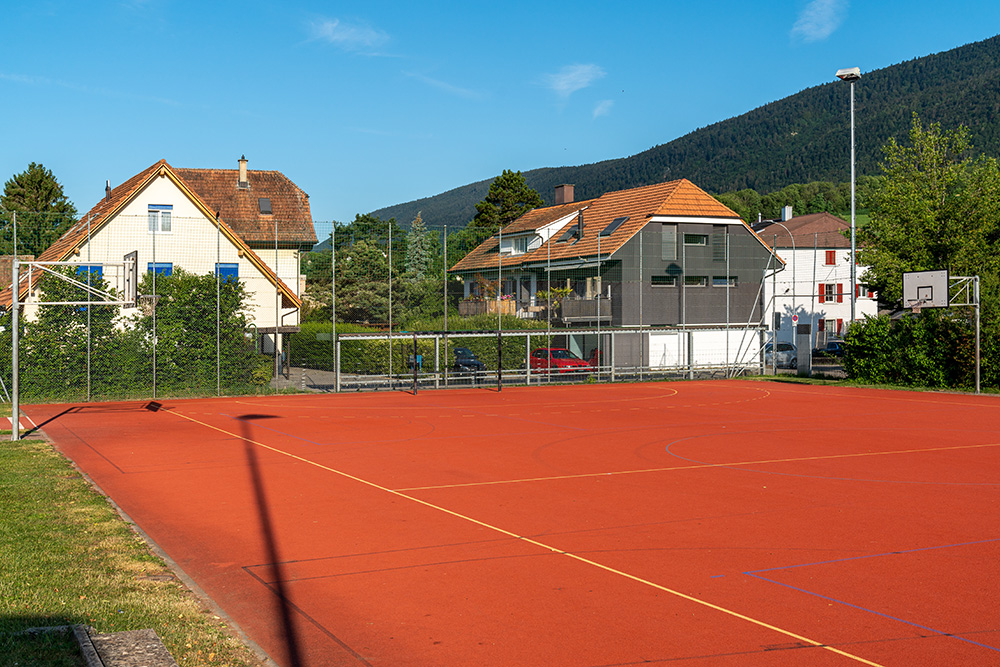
(664, 255)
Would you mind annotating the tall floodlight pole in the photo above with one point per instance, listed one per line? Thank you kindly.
(852, 74)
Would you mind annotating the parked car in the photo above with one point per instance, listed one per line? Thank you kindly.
(833, 348)
(467, 362)
(557, 359)
(787, 356)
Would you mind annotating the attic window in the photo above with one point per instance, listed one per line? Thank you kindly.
(264, 204)
(615, 224)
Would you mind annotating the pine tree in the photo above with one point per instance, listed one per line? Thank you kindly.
(43, 211)
(508, 199)
(418, 250)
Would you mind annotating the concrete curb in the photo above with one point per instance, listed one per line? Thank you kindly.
(131, 648)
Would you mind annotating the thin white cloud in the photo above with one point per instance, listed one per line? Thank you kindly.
(451, 89)
(819, 19)
(572, 78)
(350, 37)
(603, 108)
(45, 82)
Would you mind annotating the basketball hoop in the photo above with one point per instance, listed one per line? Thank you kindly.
(147, 303)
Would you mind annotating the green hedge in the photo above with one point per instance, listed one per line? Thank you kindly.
(934, 349)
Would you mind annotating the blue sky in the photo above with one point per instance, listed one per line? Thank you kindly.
(369, 104)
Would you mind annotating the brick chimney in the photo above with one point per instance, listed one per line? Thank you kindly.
(564, 194)
(244, 183)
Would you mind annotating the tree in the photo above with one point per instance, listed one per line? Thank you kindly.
(189, 348)
(43, 211)
(419, 253)
(937, 209)
(509, 198)
(362, 275)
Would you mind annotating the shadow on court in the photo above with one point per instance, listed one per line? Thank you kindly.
(267, 530)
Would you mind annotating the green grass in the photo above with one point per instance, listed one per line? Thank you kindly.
(66, 557)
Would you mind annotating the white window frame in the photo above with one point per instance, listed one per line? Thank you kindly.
(667, 281)
(160, 218)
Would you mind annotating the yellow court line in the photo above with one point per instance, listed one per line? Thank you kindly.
(698, 466)
(542, 545)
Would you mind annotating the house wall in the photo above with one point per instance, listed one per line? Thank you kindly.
(687, 304)
(193, 244)
(797, 290)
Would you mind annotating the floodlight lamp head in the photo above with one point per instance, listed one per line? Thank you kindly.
(849, 74)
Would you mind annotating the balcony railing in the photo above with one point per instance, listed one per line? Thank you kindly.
(468, 307)
(579, 310)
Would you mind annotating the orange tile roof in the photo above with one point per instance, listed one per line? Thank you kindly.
(539, 217)
(680, 198)
(239, 207)
(485, 254)
(110, 206)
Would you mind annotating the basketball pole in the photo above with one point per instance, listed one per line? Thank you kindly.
(975, 296)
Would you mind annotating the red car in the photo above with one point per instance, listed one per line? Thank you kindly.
(557, 358)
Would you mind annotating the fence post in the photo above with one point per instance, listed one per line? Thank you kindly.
(218, 302)
(499, 360)
(15, 404)
(336, 364)
(414, 363)
(690, 354)
(527, 358)
(612, 356)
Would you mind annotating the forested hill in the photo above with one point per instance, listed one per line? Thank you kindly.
(799, 139)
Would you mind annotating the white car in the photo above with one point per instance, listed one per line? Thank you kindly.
(787, 356)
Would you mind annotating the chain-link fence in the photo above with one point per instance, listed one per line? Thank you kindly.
(371, 304)
(402, 318)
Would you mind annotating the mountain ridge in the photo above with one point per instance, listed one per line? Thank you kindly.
(798, 139)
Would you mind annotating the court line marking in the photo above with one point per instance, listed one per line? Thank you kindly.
(542, 545)
(668, 393)
(904, 395)
(953, 635)
(699, 466)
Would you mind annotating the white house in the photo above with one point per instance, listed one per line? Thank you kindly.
(815, 283)
(248, 225)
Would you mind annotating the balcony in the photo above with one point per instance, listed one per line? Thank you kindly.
(467, 307)
(586, 310)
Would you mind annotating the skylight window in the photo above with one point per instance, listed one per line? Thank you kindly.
(570, 233)
(264, 204)
(615, 224)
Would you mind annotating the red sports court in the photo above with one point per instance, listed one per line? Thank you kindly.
(697, 523)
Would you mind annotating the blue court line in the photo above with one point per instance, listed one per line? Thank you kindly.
(935, 631)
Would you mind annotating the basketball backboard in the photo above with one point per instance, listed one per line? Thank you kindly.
(925, 289)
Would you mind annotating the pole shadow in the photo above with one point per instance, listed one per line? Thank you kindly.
(270, 544)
